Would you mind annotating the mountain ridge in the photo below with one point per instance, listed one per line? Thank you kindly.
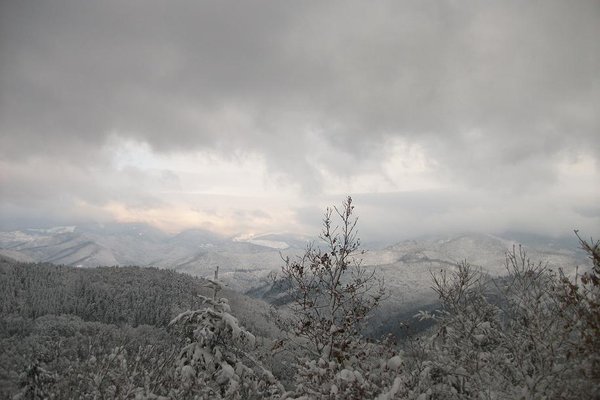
(246, 262)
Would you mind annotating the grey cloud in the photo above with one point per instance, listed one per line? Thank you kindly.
(407, 215)
(588, 211)
(397, 215)
(494, 93)
(310, 217)
(169, 180)
(166, 73)
(55, 188)
(252, 215)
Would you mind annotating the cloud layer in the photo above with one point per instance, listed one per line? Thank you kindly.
(482, 111)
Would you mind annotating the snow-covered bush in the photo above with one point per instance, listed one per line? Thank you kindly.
(580, 310)
(35, 383)
(369, 373)
(216, 360)
(501, 339)
(458, 360)
(74, 359)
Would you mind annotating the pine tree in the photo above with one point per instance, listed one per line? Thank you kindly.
(216, 361)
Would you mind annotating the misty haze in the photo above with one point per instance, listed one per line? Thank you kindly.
(299, 200)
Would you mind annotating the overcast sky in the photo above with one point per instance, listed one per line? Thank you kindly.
(252, 116)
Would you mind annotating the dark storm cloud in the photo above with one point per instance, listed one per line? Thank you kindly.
(72, 72)
(495, 94)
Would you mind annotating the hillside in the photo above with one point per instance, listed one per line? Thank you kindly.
(407, 266)
(104, 332)
(42, 305)
(246, 262)
(196, 251)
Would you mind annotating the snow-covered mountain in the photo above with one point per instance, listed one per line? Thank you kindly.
(407, 266)
(244, 261)
(247, 262)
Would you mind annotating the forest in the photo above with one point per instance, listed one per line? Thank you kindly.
(147, 333)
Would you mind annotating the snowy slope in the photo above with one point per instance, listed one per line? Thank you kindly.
(58, 246)
(407, 266)
(244, 262)
(247, 262)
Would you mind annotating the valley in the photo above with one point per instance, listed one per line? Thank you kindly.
(249, 264)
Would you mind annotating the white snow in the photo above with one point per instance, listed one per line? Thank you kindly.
(394, 362)
(273, 244)
(225, 374)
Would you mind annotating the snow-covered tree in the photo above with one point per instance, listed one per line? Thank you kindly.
(501, 339)
(35, 383)
(580, 311)
(216, 360)
(332, 296)
(332, 292)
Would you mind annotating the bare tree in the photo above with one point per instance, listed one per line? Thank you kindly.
(332, 292)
